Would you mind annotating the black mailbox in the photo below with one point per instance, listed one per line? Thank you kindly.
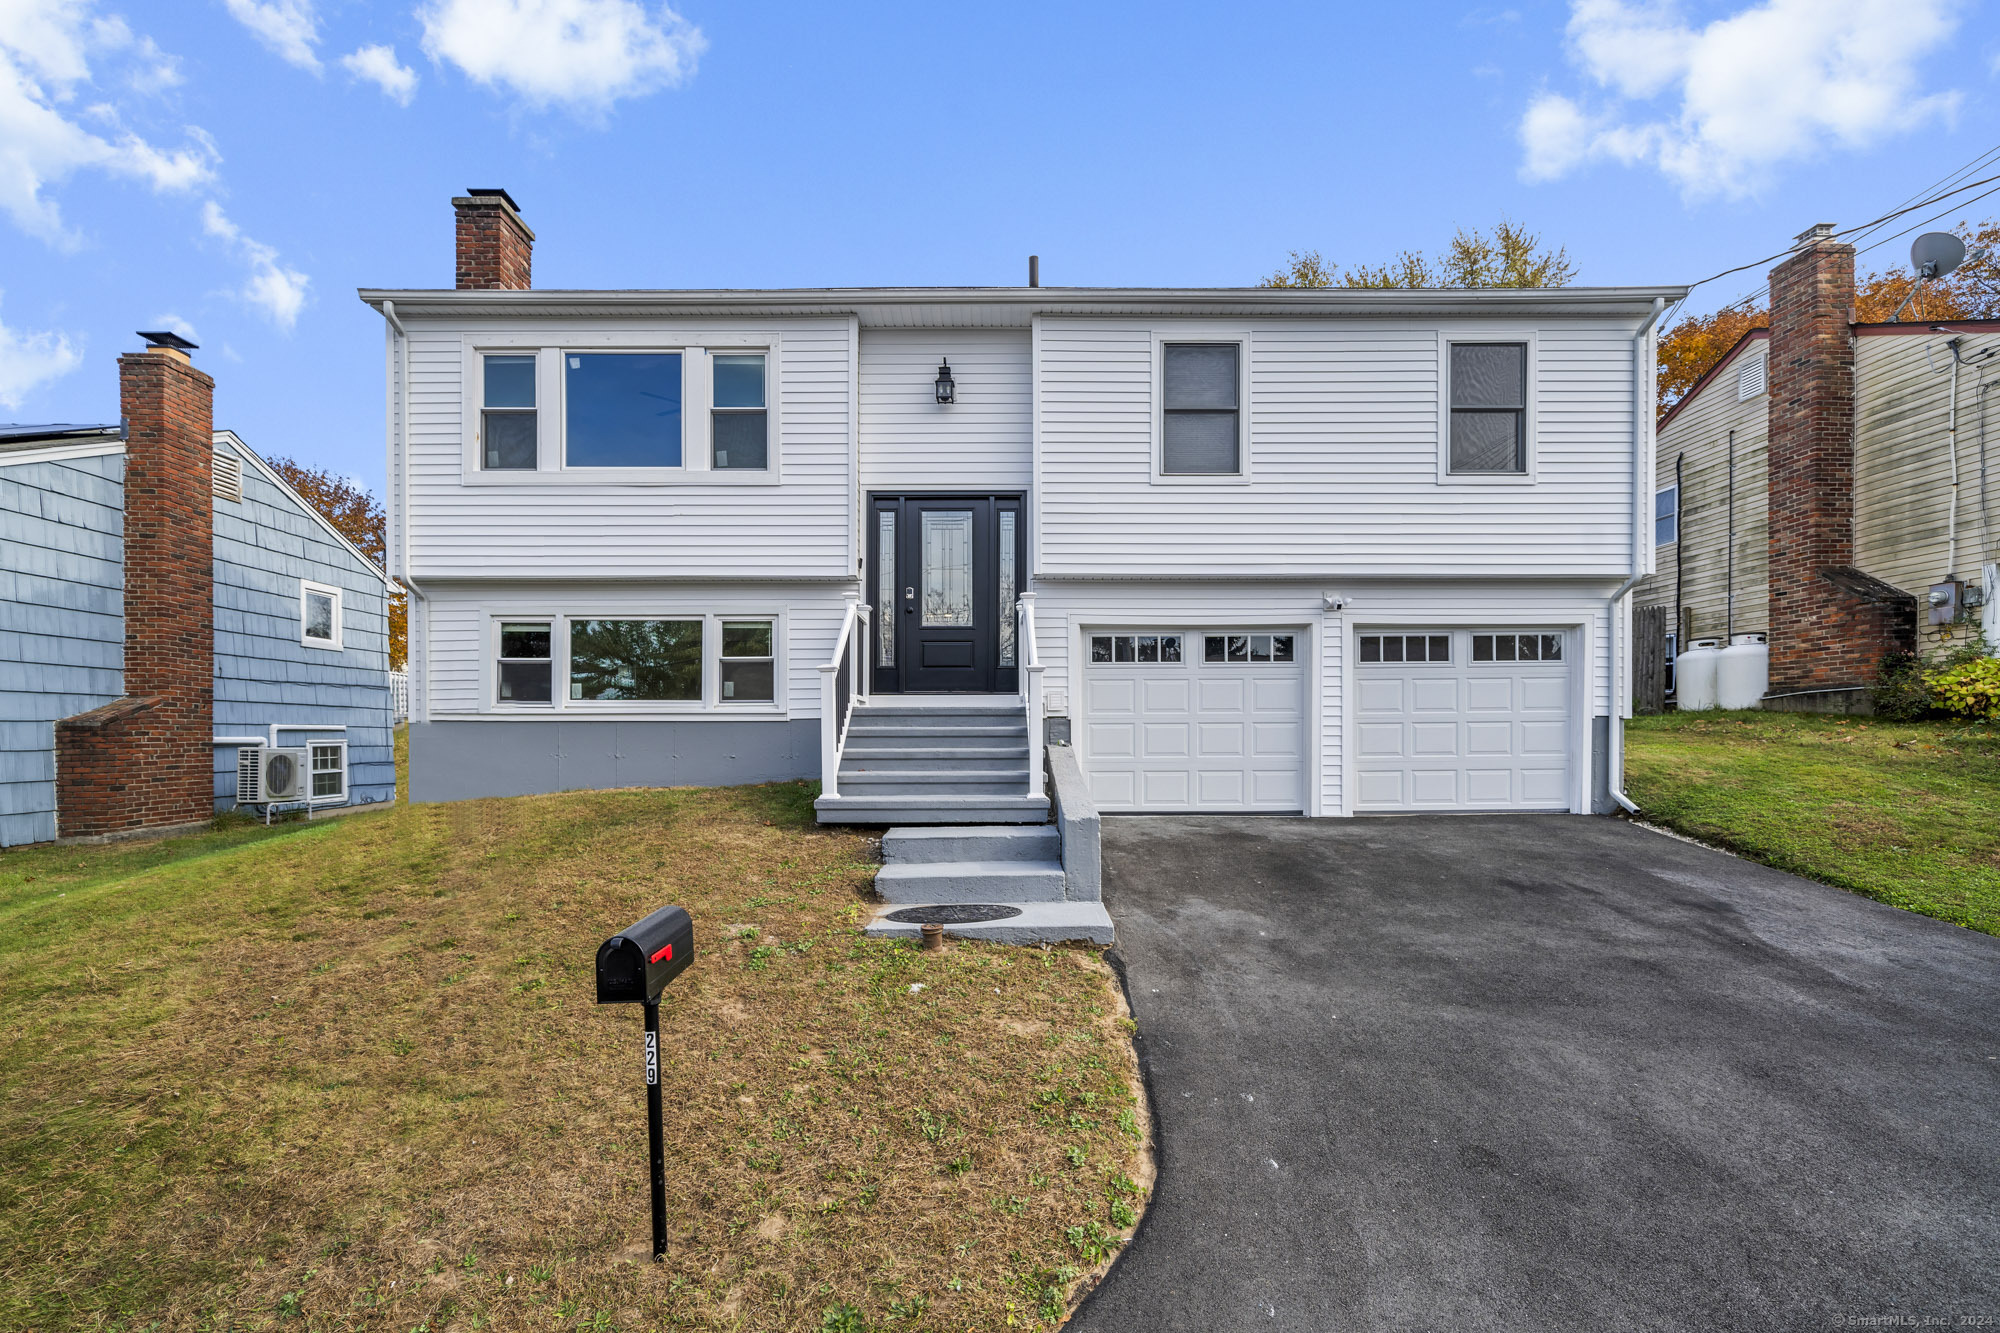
(634, 967)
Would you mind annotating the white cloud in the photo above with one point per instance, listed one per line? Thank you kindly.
(289, 28)
(584, 54)
(379, 66)
(278, 291)
(1782, 80)
(30, 360)
(178, 325)
(46, 49)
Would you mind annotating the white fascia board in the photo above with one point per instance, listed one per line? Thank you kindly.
(58, 453)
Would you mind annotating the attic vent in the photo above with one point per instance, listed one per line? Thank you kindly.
(228, 476)
(1750, 379)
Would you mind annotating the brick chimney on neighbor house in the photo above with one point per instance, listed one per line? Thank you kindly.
(144, 761)
(1830, 624)
(495, 248)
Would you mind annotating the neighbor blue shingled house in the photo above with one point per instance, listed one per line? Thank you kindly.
(301, 623)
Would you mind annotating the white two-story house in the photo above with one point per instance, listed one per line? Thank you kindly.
(1322, 552)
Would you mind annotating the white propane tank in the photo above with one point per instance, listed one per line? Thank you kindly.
(1743, 672)
(1694, 675)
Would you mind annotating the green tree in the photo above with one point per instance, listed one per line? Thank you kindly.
(1511, 256)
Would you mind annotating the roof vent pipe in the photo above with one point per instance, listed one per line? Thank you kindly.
(1034, 270)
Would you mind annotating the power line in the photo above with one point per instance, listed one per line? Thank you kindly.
(1865, 226)
(1963, 171)
(1966, 203)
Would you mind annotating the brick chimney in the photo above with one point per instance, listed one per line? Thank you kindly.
(1830, 623)
(495, 248)
(145, 760)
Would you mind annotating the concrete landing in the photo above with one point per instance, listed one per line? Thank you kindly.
(1038, 923)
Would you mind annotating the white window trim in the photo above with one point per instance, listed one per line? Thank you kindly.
(1659, 491)
(341, 798)
(710, 704)
(306, 588)
(694, 346)
(1244, 418)
(1529, 417)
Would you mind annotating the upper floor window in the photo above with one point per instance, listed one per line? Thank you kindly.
(507, 427)
(621, 409)
(1200, 432)
(1489, 407)
(738, 415)
(319, 615)
(1666, 515)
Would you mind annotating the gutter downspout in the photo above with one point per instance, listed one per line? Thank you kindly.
(1642, 427)
(1729, 585)
(400, 568)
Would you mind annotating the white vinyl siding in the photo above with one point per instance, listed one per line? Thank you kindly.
(729, 525)
(910, 441)
(1341, 438)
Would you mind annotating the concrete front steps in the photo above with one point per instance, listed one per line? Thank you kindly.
(1012, 867)
(942, 759)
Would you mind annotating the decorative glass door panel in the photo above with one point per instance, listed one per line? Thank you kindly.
(947, 578)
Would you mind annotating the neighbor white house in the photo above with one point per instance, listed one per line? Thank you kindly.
(1327, 552)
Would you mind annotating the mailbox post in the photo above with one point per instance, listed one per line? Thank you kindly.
(633, 968)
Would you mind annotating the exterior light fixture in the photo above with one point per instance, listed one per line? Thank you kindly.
(947, 388)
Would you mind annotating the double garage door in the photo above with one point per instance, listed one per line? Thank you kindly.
(1178, 720)
(1204, 720)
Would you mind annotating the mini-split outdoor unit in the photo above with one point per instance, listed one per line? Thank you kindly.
(266, 775)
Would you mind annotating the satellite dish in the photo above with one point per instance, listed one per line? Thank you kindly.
(1936, 253)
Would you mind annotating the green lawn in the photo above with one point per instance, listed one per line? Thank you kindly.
(1906, 813)
(350, 1076)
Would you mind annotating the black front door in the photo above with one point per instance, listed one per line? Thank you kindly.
(945, 572)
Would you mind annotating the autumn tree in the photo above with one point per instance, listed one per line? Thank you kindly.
(1512, 256)
(1694, 344)
(358, 516)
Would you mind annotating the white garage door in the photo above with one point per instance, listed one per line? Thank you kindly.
(1462, 720)
(1195, 720)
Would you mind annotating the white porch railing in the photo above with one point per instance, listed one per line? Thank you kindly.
(1031, 688)
(843, 682)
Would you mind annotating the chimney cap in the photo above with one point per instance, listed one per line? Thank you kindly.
(168, 339)
(494, 193)
(1819, 231)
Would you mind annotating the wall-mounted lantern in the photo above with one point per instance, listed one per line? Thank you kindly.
(947, 388)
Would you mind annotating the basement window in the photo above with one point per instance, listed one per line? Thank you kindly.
(329, 770)
(749, 667)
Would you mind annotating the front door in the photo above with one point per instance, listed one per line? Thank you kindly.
(946, 571)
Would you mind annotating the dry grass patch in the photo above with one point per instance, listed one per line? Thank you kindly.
(350, 1076)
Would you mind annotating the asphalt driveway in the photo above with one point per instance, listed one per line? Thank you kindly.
(1527, 1072)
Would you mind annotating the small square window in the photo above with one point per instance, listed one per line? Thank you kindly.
(1170, 647)
(1440, 647)
(1482, 647)
(319, 615)
(1552, 647)
(1122, 645)
(1260, 647)
(1281, 647)
(1239, 647)
(1503, 647)
(1100, 647)
(1392, 648)
(1149, 648)
(1371, 647)
(1214, 648)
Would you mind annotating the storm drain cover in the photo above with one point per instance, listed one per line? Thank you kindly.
(953, 914)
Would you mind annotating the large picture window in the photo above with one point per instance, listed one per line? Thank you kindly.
(1489, 407)
(622, 409)
(617, 660)
(507, 429)
(1199, 427)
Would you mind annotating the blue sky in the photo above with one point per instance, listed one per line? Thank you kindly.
(241, 166)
